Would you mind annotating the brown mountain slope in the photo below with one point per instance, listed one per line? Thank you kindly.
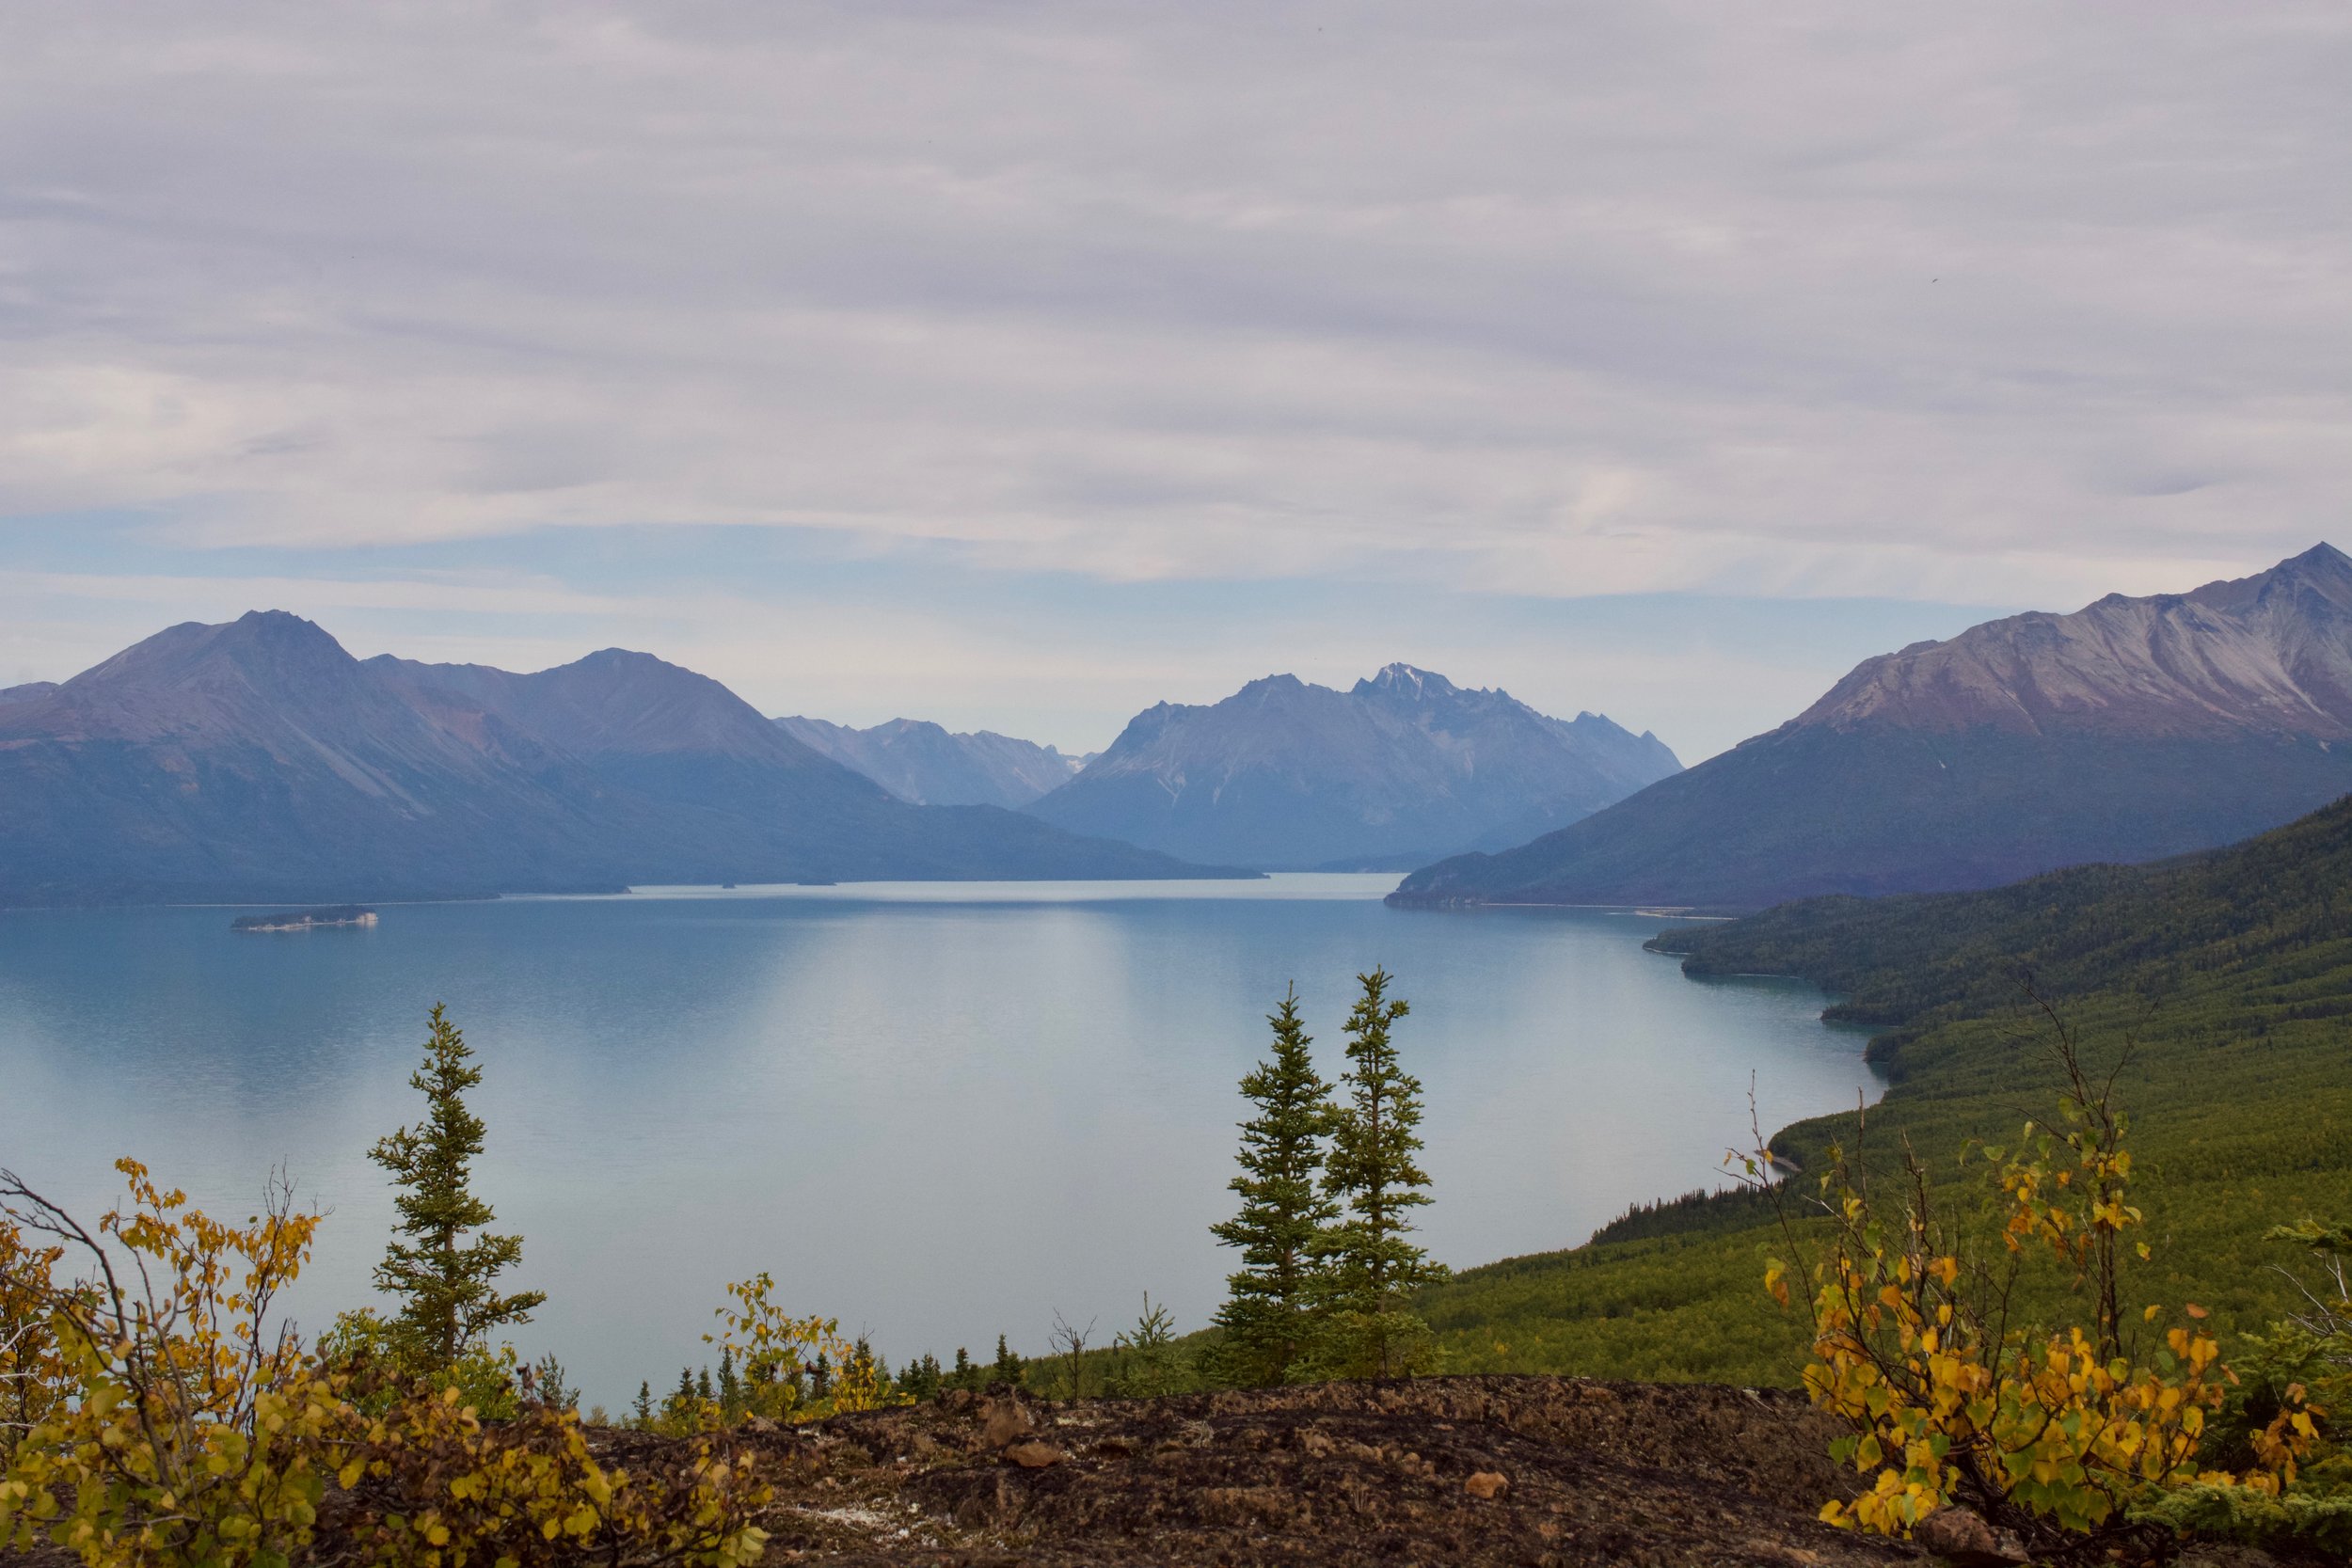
(259, 761)
(2130, 730)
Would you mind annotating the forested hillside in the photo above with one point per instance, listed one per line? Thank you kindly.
(2151, 930)
(2219, 987)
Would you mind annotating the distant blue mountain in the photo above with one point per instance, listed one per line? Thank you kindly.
(1401, 768)
(259, 762)
(924, 762)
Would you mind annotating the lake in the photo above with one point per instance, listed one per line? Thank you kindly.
(938, 1110)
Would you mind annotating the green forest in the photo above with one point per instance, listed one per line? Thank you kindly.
(2217, 988)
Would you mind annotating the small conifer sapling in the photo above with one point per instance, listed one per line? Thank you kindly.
(1370, 1261)
(1268, 1316)
(441, 1262)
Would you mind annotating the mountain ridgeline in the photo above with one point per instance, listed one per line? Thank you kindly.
(1285, 775)
(259, 761)
(2129, 731)
(924, 762)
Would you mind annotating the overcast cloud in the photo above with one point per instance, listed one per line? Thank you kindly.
(870, 353)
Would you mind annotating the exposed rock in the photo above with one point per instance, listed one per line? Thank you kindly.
(1035, 1455)
(1486, 1485)
(1003, 1419)
(1967, 1540)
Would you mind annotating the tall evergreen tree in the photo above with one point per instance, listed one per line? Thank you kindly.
(1267, 1316)
(443, 1278)
(1370, 1263)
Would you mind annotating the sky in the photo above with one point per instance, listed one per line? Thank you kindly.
(1020, 365)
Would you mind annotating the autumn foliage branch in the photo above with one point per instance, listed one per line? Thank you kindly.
(2055, 1430)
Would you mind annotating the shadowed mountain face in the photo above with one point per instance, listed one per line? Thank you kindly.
(1287, 775)
(258, 760)
(2131, 729)
(923, 763)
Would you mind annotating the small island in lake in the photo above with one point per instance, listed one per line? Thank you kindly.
(306, 920)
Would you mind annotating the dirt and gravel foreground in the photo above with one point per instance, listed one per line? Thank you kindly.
(1535, 1472)
(1469, 1471)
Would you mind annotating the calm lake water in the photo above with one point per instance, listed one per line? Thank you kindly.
(937, 1110)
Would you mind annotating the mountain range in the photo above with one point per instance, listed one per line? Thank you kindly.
(258, 760)
(2131, 729)
(1285, 775)
(921, 762)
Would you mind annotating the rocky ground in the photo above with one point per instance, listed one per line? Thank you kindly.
(1467, 1470)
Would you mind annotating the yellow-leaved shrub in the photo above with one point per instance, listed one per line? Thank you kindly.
(430, 1485)
(777, 1351)
(32, 1378)
(2056, 1431)
(191, 1428)
(179, 1426)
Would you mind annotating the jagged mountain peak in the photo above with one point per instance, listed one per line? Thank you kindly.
(1284, 773)
(2268, 653)
(925, 763)
(1404, 680)
(1279, 685)
(196, 679)
(260, 640)
(627, 659)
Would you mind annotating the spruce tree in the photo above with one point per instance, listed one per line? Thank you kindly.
(1268, 1313)
(730, 1383)
(443, 1278)
(1369, 1261)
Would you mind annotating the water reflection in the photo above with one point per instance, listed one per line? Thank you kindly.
(940, 1112)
